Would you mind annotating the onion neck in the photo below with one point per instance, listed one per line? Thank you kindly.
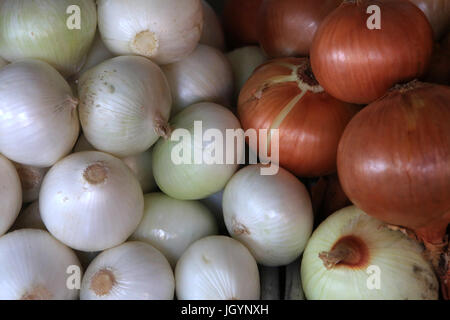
(348, 251)
(145, 43)
(162, 128)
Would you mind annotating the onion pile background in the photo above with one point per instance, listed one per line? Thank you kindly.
(94, 95)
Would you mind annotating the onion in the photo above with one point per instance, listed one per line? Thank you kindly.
(30, 218)
(244, 61)
(439, 71)
(131, 271)
(283, 94)
(214, 204)
(10, 194)
(212, 34)
(38, 120)
(438, 14)
(356, 64)
(270, 214)
(217, 268)
(240, 21)
(171, 225)
(204, 76)
(44, 30)
(189, 179)
(31, 180)
(402, 176)
(125, 103)
(91, 201)
(287, 27)
(162, 30)
(34, 266)
(354, 256)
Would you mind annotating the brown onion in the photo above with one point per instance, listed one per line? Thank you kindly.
(356, 64)
(394, 161)
(240, 18)
(283, 94)
(438, 14)
(439, 71)
(287, 27)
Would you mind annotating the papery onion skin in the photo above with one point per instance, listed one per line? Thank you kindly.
(42, 32)
(131, 271)
(270, 214)
(240, 22)
(38, 126)
(287, 27)
(404, 272)
(91, 201)
(356, 64)
(212, 34)
(438, 14)
(282, 94)
(217, 268)
(125, 104)
(10, 194)
(204, 76)
(34, 265)
(165, 31)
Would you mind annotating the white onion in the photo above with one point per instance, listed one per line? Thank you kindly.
(34, 266)
(217, 268)
(354, 256)
(131, 271)
(190, 181)
(243, 62)
(271, 214)
(31, 180)
(212, 34)
(125, 104)
(39, 29)
(91, 201)
(30, 218)
(171, 225)
(204, 76)
(10, 194)
(96, 55)
(163, 30)
(38, 117)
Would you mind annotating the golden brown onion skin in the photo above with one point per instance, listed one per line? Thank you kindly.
(287, 27)
(358, 65)
(309, 134)
(394, 159)
(438, 14)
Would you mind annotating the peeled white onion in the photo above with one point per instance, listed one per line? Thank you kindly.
(31, 180)
(354, 256)
(131, 271)
(271, 214)
(125, 104)
(212, 34)
(243, 62)
(91, 201)
(30, 218)
(186, 180)
(35, 266)
(10, 194)
(217, 268)
(44, 30)
(204, 76)
(38, 117)
(171, 225)
(162, 30)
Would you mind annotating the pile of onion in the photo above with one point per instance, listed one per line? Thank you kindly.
(394, 163)
(283, 94)
(358, 64)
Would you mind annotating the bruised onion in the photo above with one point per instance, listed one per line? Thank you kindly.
(287, 27)
(283, 94)
(357, 60)
(394, 161)
(438, 14)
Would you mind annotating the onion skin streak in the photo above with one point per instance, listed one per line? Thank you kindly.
(358, 65)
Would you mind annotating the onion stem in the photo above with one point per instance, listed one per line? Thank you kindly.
(349, 250)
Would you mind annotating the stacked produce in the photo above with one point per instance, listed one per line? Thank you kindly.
(275, 149)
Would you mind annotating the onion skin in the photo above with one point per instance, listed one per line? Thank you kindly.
(287, 27)
(439, 71)
(438, 14)
(240, 21)
(362, 67)
(310, 133)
